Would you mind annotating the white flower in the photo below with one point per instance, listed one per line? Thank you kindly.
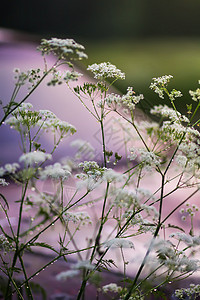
(89, 183)
(66, 274)
(119, 243)
(195, 94)
(191, 292)
(149, 158)
(110, 175)
(113, 99)
(77, 217)
(35, 157)
(111, 287)
(11, 168)
(129, 99)
(24, 107)
(5, 244)
(73, 76)
(133, 154)
(126, 198)
(84, 264)
(56, 171)
(182, 237)
(3, 182)
(62, 48)
(2, 171)
(159, 84)
(186, 238)
(47, 114)
(105, 70)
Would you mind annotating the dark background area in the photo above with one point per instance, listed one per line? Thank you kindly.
(144, 38)
(103, 19)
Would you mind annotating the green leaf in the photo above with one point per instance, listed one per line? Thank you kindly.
(43, 245)
(176, 227)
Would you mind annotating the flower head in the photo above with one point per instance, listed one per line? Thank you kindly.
(159, 84)
(62, 48)
(56, 171)
(119, 243)
(106, 70)
(35, 157)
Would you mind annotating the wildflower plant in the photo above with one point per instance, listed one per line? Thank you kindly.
(116, 186)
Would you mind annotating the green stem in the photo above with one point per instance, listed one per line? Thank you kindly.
(24, 99)
(29, 292)
(151, 244)
(53, 222)
(17, 237)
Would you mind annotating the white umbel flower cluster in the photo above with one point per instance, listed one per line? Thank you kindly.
(111, 287)
(56, 171)
(77, 217)
(9, 169)
(186, 238)
(126, 198)
(59, 77)
(192, 292)
(62, 48)
(119, 243)
(66, 274)
(106, 70)
(129, 100)
(34, 157)
(173, 259)
(159, 84)
(195, 94)
(148, 159)
(5, 244)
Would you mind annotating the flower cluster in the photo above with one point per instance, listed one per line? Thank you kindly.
(106, 70)
(173, 259)
(126, 198)
(92, 169)
(46, 203)
(77, 217)
(112, 176)
(112, 287)
(159, 84)
(24, 118)
(195, 94)
(148, 159)
(128, 100)
(142, 225)
(119, 243)
(9, 169)
(3, 182)
(189, 210)
(84, 265)
(56, 172)
(186, 238)
(66, 274)
(59, 77)
(31, 77)
(34, 157)
(50, 121)
(191, 293)
(62, 48)
(167, 112)
(5, 244)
